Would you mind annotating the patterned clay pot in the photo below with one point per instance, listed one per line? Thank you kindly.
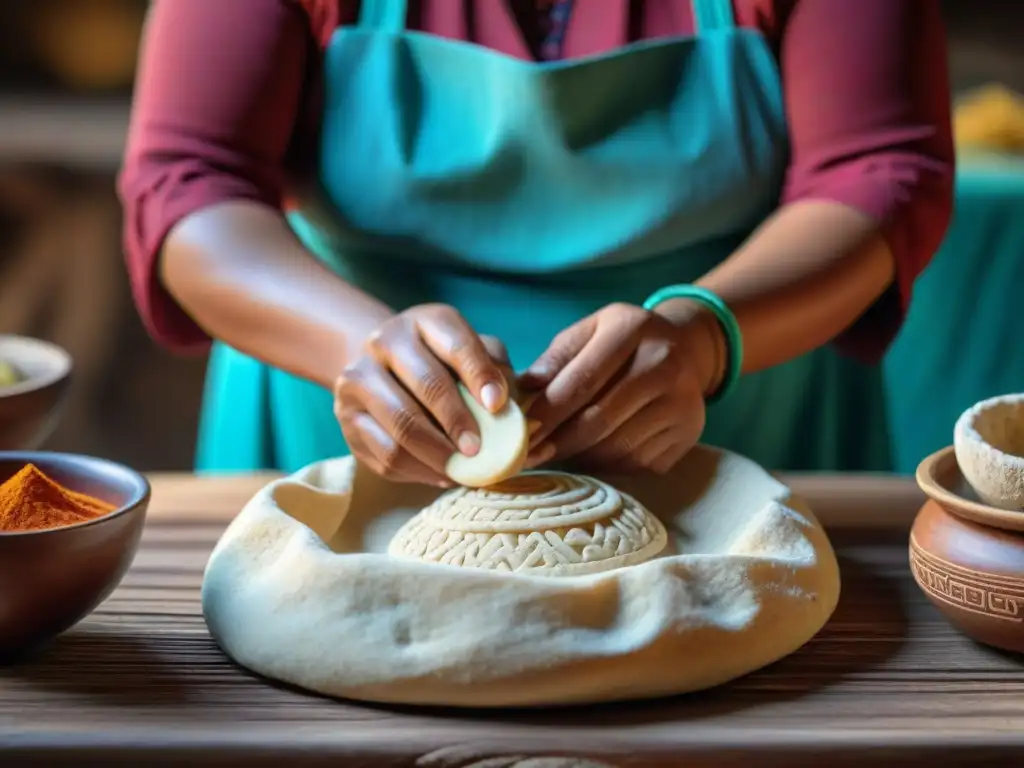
(968, 556)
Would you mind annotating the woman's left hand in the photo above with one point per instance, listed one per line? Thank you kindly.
(621, 389)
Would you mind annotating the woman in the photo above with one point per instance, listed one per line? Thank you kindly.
(345, 194)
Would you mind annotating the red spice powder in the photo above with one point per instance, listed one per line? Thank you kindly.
(31, 501)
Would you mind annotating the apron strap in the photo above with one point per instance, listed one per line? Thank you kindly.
(383, 15)
(713, 15)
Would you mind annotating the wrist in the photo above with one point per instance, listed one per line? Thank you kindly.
(702, 338)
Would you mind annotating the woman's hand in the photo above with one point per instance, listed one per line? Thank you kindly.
(397, 403)
(622, 389)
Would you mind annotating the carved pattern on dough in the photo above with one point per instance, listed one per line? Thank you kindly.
(542, 523)
(998, 598)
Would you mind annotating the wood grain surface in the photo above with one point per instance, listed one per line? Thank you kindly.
(140, 682)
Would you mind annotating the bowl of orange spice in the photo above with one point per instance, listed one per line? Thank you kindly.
(69, 529)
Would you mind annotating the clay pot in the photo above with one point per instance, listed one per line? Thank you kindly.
(968, 556)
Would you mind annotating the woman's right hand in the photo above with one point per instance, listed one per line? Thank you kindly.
(397, 403)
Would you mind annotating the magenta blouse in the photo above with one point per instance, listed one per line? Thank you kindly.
(227, 108)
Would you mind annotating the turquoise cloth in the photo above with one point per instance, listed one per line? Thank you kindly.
(962, 340)
(529, 195)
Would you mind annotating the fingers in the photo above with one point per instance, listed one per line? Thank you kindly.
(496, 349)
(671, 456)
(613, 456)
(499, 354)
(430, 383)
(367, 387)
(596, 422)
(405, 394)
(655, 437)
(651, 420)
(659, 454)
(582, 379)
(563, 348)
(376, 447)
(446, 333)
(423, 347)
(660, 444)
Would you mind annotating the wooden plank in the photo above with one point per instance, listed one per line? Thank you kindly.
(888, 680)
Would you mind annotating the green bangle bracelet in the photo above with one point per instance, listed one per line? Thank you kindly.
(726, 319)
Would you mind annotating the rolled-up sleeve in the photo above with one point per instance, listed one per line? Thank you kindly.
(867, 97)
(217, 97)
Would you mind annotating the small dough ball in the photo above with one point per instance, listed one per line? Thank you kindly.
(504, 443)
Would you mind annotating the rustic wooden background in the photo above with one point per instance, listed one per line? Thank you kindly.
(60, 262)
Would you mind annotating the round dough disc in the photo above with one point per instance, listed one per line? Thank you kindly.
(504, 442)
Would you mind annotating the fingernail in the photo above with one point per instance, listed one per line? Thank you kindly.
(469, 444)
(544, 453)
(538, 371)
(490, 396)
(532, 425)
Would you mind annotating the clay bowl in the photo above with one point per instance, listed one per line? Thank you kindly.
(51, 579)
(30, 409)
(968, 556)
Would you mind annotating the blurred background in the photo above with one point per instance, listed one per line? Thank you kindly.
(66, 70)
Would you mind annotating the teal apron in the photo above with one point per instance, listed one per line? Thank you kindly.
(529, 195)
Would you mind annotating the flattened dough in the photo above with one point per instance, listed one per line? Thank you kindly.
(539, 523)
(301, 589)
(504, 442)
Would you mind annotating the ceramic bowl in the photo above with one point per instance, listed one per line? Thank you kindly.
(989, 443)
(51, 579)
(968, 556)
(29, 411)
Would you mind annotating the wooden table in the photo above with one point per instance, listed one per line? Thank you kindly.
(888, 681)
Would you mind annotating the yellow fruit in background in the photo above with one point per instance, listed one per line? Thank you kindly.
(90, 44)
(990, 118)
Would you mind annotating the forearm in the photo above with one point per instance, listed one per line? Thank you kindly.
(240, 273)
(807, 274)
